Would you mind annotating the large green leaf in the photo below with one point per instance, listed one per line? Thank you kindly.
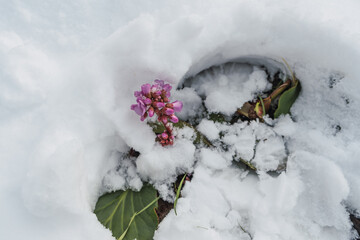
(287, 99)
(129, 214)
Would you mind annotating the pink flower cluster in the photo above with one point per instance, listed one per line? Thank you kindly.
(154, 99)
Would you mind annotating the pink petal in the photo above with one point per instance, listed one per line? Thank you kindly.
(167, 87)
(133, 106)
(147, 101)
(168, 94)
(159, 82)
(160, 104)
(137, 94)
(177, 105)
(142, 118)
(139, 111)
(141, 108)
(146, 88)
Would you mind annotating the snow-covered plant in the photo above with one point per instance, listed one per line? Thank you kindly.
(154, 99)
(222, 137)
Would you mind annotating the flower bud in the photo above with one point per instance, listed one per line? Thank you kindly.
(169, 111)
(164, 119)
(173, 118)
(159, 104)
(164, 135)
(147, 101)
(146, 89)
(151, 111)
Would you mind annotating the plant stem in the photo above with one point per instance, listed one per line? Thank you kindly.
(133, 217)
(279, 90)
(178, 192)
(292, 73)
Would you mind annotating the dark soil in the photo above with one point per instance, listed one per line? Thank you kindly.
(163, 209)
(356, 223)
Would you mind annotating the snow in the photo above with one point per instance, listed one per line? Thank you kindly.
(165, 163)
(68, 70)
(242, 139)
(191, 100)
(213, 160)
(232, 86)
(270, 153)
(209, 129)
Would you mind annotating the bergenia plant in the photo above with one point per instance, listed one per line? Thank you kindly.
(154, 99)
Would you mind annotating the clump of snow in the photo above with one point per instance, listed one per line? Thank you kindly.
(256, 142)
(270, 153)
(165, 163)
(241, 140)
(209, 129)
(321, 177)
(213, 159)
(285, 126)
(122, 174)
(162, 165)
(231, 86)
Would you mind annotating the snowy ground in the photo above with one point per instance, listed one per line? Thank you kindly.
(68, 70)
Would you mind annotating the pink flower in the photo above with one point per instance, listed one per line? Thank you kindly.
(154, 99)
(164, 86)
(145, 91)
(139, 108)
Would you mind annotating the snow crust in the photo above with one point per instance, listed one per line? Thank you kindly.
(231, 87)
(68, 70)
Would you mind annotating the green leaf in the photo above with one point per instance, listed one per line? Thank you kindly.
(217, 117)
(263, 107)
(178, 192)
(287, 99)
(157, 127)
(129, 214)
(246, 163)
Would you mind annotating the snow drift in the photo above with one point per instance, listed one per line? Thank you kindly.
(68, 72)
